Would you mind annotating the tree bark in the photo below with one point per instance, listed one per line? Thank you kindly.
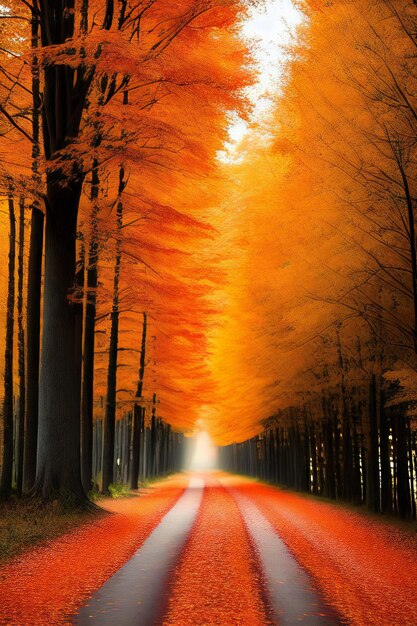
(87, 396)
(33, 303)
(152, 472)
(7, 460)
(33, 317)
(386, 480)
(21, 348)
(134, 470)
(403, 483)
(110, 415)
(58, 460)
(64, 101)
(139, 391)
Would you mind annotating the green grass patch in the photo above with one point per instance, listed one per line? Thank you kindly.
(119, 490)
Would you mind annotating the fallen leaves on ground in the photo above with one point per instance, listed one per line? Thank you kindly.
(46, 584)
(217, 581)
(366, 568)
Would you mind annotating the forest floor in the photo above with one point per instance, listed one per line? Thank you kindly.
(337, 565)
(25, 523)
(46, 583)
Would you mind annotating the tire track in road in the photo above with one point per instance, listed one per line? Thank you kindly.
(217, 582)
(366, 567)
(135, 594)
(291, 592)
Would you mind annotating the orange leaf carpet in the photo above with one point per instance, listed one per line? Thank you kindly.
(217, 581)
(366, 568)
(45, 585)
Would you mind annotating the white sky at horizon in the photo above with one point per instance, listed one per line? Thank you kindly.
(269, 29)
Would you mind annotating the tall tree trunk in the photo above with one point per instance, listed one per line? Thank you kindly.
(142, 365)
(110, 415)
(314, 457)
(33, 303)
(411, 468)
(403, 482)
(21, 348)
(33, 317)
(412, 244)
(87, 396)
(59, 461)
(138, 411)
(153, 439)
(386, 480)
(7, 460)
(137, 428)
(64, 101)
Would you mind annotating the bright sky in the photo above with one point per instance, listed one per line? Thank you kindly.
(269, 28)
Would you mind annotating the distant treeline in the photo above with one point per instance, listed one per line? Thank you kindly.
(366, 454)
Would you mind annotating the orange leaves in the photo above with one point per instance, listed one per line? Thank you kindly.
(50, 582)
(217, 581)
(313, 220)
(364, 567)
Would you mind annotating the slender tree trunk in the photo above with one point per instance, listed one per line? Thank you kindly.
(411, 468)
(21, 348)
(139, 391)
(403, 484)
(314, 464)
(7, 460)
(33, 303)
(134, 470)
(137, 411)
(357, 491)
(110, 415)
(153, 438)
(386, 480)
(87, 396)
(412, 245)
(33, 317)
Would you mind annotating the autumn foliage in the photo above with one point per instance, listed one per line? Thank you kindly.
(279, 281)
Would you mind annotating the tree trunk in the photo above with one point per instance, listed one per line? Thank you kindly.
(33, 317)
(153, 439)
(314, 458)
(7, 460)
(134, 470)
(110, 415)
(386, 480)
(59, 461)
(63, 104)
(21, 348)
(33, 304)
(87, 396)
(403, 483)
(139, 391)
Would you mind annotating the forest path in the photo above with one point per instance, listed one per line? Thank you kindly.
(240, 553)
(219, 563)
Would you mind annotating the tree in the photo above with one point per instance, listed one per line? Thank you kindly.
(7, 460)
